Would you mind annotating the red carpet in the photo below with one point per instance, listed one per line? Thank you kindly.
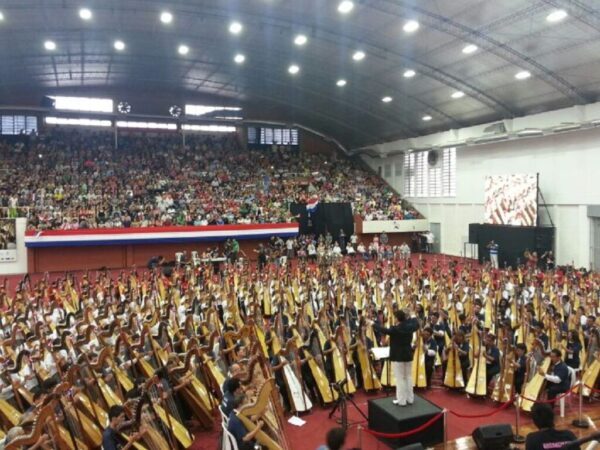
(312, 434)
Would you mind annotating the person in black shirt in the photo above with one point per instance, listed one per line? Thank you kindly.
(243, 438)
(110, 436)
(430, 348)
(559, 381)
(572, 358)
(520, 366)
(492, 357)
(547, 437)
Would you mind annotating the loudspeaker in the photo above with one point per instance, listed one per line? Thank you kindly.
(474, 233)
(493, 437)
(417, 446)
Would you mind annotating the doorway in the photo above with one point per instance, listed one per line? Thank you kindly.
(436, 229)
(595, 242)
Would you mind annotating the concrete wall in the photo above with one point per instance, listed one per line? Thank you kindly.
(568, 166)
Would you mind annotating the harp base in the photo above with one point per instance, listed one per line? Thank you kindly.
(580, 423)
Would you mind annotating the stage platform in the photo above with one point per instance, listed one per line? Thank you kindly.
(385, 417)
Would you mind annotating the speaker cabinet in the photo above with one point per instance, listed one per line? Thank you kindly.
(474, 233)
(493, 437)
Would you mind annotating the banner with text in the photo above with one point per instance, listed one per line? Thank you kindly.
(8, 240)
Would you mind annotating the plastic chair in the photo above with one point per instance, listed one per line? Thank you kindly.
(224, 418)
(229, 442)
(572, 381)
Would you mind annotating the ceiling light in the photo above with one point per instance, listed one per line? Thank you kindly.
(166, 17)
(557, 15)
(235, 28)
(85, 14)
(522, 75)
(358, 56)
(119, 45)
(183, 49)
(175, 111)
(345, 7)
(341, 83)
(124, 108)
(387, 99)
(458, 94)
(239, 58)
(411, 26)
(470, 48)
(409, 73)
(1, 16)
(293, 69)
(426, 118)
(300, 39)
(50, 45)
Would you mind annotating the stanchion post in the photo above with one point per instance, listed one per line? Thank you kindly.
(517, 438)
(359, 428)
(579, 422)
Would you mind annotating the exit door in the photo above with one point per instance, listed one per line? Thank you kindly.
(436, 229)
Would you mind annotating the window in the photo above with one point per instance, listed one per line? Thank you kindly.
(398, 168)
(78, 121)
(18, 124)
(428, 177)
(269, 136)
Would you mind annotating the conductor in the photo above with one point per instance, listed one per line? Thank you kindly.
(401, 354)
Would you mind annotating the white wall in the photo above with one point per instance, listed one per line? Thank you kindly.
(20, 266)
(569, 168)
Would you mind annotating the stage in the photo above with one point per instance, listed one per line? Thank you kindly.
(385, 417)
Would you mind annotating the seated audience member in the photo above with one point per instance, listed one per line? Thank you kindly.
(547, 437)
(558, 377)
(335, 439)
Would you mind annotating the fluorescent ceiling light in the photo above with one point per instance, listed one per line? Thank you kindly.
(235, 28)
(147, 125)
(426, 118)
(200, 110)
(229, 117)
(293, 69)
(359, 55)
(345, 7)
(50, 45)
(557, 15)
(458, 94)
(300, 40)
(77, 121)
(522, 75)
(1, 16)
(210, 128)
(470, 48)
(387, 99)
(409, 73)
(341, 83)
(530, 132)
(166, 17)
(239, 58)
(88, 104)
(85, 13)
(411, 26)
(119, 45)
(183, 49)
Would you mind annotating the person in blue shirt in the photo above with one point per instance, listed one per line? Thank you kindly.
(572, 358)
(243, 437)
(110, 436)
(232, 387)
(557, 376)
(430, 349)
(492, 357)
(335, 439)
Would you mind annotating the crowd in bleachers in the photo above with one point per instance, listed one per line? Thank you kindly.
(74, 179)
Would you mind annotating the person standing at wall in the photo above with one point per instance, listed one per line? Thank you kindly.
(493, 248)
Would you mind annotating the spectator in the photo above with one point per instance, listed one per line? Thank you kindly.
(335, 439)
(547, 436)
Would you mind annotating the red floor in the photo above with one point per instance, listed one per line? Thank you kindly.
(312, 434)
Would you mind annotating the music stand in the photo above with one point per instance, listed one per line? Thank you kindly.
(341, 404)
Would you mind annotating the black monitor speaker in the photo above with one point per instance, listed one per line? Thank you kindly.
(493, 437)
(474, 233)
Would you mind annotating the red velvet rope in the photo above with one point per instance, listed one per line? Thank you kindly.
(558, 397)
(491, 413)
(597, 391)
(406, 433)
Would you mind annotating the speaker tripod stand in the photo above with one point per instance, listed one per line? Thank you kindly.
(341, 404)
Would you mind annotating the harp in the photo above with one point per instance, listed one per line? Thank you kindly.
(534, 387)
(477, 384)
(40, 426)
(272, 439)
(453, 377)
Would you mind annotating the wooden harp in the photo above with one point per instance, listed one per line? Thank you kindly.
(44, 416)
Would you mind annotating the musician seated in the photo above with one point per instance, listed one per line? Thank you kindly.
(232, 388)
(243, 437)
(559, 382)
(520, 366)
(16, 432)
(492, 357)
(430, 348)
(547, 436)
(110, 436)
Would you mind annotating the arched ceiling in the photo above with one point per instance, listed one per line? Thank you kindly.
(562, 57)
